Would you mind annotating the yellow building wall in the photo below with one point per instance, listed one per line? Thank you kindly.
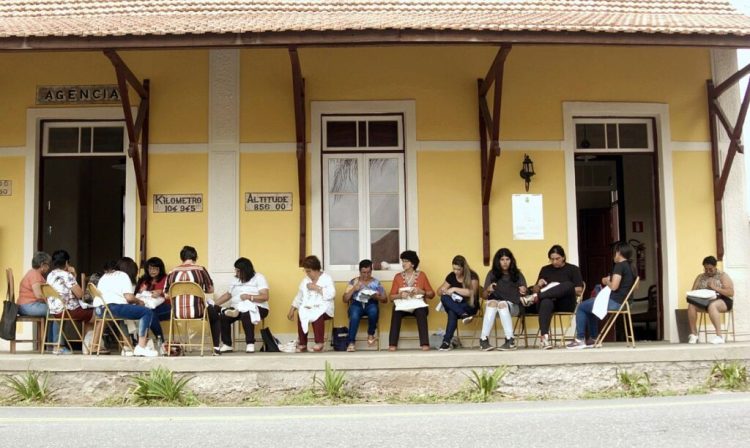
(11, 220)
(696, 230)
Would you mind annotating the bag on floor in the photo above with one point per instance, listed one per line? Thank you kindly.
(270, 343)
(8, 321)
(340, 338)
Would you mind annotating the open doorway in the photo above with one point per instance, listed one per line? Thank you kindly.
(616, 199)
(82, 190)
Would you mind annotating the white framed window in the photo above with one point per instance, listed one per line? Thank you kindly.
(363, 132)
(83, 138)
(614, 134)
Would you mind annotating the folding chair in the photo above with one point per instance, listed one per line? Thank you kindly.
(176, 290)
(624, 311)
(37, 322)
(106, 320)
(727, 325)
(558, 331)
(49, 291)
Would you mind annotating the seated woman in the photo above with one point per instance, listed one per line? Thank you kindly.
(719, 281)
(363, 294)
(410, 284)
(63, 279)
(619, 282)
(247, 301)
(556, 289)
(503, 288)
(117, 291)
(458, 294)
(30, 300)
(151, 286)
(313, 303)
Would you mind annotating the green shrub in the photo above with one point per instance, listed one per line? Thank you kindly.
(729, 375)
(332, 383)
(161, 386)
(635, 384)
(29, 387)
(485, 382)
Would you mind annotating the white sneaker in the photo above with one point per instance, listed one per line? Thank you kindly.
(144, 351)
(250, 348)
(716, 340)
(693, 339)
(225, 348)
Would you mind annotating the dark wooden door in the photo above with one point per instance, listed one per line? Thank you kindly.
(595, 229)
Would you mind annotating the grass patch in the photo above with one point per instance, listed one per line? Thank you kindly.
(484, 383)
(635, 384)
(728, 375)
(28, 387)
(160, 386)
(332, 384)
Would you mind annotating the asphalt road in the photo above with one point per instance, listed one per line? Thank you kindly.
(696, 421)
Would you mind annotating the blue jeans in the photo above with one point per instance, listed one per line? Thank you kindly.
(455, 310)
(39, 309)
(356, 311)
(586, 319)
(163, 311)
(145, 317)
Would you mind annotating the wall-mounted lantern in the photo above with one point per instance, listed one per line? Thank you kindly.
(528, 170)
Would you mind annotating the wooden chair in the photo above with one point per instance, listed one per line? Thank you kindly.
(49, 291)
(624, 311)
(106, 320)
(193, 289)
(37, 322)
(727, 325)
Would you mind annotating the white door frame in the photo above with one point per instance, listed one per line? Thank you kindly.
(34, 118)
(660, 112)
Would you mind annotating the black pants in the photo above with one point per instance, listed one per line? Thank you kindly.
(221, 325)
(561, 298)
(420, 314)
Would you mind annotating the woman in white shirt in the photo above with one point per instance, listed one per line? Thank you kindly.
(117, 291)
(246, 300)
(314, 303)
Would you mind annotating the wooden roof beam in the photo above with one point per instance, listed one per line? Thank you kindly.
(298, 87)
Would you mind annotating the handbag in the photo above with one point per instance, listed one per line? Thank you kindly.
(701, 297)
(270, 343)
(700, 302)
(340, 339)
(8, 321)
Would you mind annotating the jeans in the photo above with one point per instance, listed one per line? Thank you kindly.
(163, 311)
(455, 310)
(587, 320)
(39, 309)
(356, 311)
(146, 318)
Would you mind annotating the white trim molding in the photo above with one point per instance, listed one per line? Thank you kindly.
(409, 111)
(660, 112)
(12, 151)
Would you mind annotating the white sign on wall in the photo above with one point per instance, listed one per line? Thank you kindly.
(6, 187)
(178, 203)
(268, 202)
(528, 217)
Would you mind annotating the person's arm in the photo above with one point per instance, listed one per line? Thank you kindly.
(130, 298)
(444, 289)
(36, 288)
(353, 286)
(209, 282)
(327, 287)
(540, 282)
(262, 296)
(578, 280)
(727, 286)
(222, 299)
(159, 288)
(395, 286)
(380, 295)
(425, 289)
(696, 282)
(522, 287)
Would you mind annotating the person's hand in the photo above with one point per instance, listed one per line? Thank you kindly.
(72, 270)
(491, 288)
(290, 314)
(404, 295)
(605, 281)
(522, 290)
(541, 283)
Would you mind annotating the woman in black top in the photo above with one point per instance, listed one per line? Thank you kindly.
(458, 295)
(557, 298)
(620, 282)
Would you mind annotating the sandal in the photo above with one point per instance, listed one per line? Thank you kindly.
(350, 348)
(425, 348)
(301, 349)
(391, 348)
(371, 340)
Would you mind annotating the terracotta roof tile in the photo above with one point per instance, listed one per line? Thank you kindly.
(37, 18)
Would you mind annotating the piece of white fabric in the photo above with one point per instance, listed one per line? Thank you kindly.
(114, 286)
(252, 287)
(312, 304)
(409, 304)
(247, 306)
(506, 321)
(488, 321)
(601, 302)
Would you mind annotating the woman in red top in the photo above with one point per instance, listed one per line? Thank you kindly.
(153, 281)
(410, 284)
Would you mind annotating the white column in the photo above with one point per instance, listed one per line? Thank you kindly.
(223, 164)
(735, 214)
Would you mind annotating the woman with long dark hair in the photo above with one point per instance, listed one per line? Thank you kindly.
(619, 281)
(151, 284)
(458, 295)
(503, 288)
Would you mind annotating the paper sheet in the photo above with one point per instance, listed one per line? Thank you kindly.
(549, 286)
(409, 304)
(601, 302)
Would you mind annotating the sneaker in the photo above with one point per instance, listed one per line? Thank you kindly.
(510, 344)
(484, 345)
(231, 312)
(445, 346)
(250, 348)
(590, 343)
(693, 339)
(62, 351)
(144, 351)
(544, 343)
(716, 340)
(576, 344)
(225, 348)
(217, 352)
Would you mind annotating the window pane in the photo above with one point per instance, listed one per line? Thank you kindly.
(589, 136)
(362, 126)
(382, 133)
(341, 134)
(108, 139)
(384, 246)
(612, 136)
(384, 211)
(85, 139)
(62, 140)
(633, 135)
(344, 247)
(342, 176)
(343, 211)
(383, 175)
